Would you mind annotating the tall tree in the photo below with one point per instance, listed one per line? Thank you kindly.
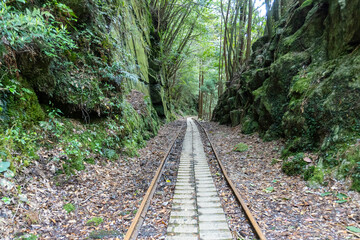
(248, 33)
(220, 82)
(201, 95)
(268, 19)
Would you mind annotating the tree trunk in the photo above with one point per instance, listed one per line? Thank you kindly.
(242, 39)
(225, 38)
(220, 83)
(280, 8)
(200, 93)
(268, 19)
(211, 97)
(248, 45)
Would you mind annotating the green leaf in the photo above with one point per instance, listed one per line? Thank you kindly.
(325, 194)
(6, 200)
(47, 14)
(27, 90)
(21, 1)
(269, 189)
(4, 166)
(341, 196)
(341, 201)
(353, 229)
(9, 174)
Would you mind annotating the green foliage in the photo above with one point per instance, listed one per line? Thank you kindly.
(295, 165)
(18, 146)
(351, 166)
(96, 221)
(318, 175)
(20, 100)
(309, 172)
(34, 26)
(4, 166)
(6, 200)
(342, 198)
(27, 237)
(353, 229)
(241, 147)
(68, 207)
(306, 3)
(269, 190)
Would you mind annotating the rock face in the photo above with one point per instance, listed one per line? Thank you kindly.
(111, 57)
(304, 83)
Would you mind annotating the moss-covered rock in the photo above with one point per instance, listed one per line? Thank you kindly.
(235, 117)
(304, 84)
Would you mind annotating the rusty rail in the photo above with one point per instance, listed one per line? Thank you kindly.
(135, 226)
(248, 214)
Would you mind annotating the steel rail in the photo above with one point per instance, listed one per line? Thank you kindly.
(250, 217)
(135, 226)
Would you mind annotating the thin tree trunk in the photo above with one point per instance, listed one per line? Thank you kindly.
(220, 84)
(268, 19)
(225, 39)
(280, 9)
(211, 97)
(248, 45)
(200, 93)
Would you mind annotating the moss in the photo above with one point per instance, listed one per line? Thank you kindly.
(356, 181)
(304, 85)
(235, 117)
(318, 175)
(290, 41)
(96, 221)
(69, 207)
(241, 147)
(301, 84)
(350, 166)
(258, 93)
(306, 3)
(295, 165)
(24, 106)
(249, 126)
(309, 173)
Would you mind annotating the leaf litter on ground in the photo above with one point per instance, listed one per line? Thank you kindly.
(108, 190)
(294, 210)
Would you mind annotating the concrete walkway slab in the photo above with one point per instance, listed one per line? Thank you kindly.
(197, 212)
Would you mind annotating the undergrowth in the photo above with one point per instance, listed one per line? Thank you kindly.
(74, 142)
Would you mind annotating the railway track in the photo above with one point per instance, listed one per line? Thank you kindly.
(196, 208)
